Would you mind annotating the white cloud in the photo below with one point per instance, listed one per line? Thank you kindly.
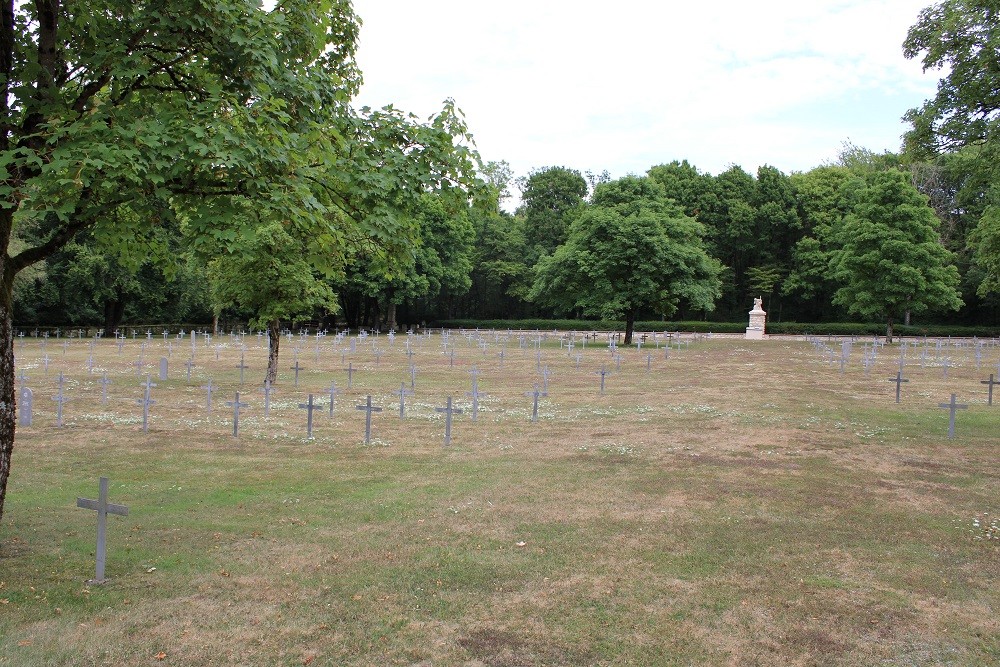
(623, 86)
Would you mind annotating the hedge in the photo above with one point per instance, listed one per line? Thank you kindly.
(788, 328)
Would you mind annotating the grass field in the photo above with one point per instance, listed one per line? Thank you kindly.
(740, 503)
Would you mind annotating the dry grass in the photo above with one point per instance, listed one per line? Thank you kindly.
(742, 503)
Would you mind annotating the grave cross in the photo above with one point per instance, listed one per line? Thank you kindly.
(649, 361)
(991, 382)
(236, 405)
(546, 374)
(898, 380)
(242, 366)
(350, 375)
(60, 400)
(104, 389)
(188, 364)
(138, 366)
(945, 364)
(310, 407)
(45, 361)
(22, 377)
(448, 411)
(296, 368)
(209, 387)
(104, 508)
(267, 398)
(413, 377)
(403, 393)
(952, 406)
(145, 402)
(369, 409)
(534, 408)
(333, 396)
(603, 373)
(475, 394)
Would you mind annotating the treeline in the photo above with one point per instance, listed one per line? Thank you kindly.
(770, 234)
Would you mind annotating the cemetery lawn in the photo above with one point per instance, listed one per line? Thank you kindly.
(741, 503)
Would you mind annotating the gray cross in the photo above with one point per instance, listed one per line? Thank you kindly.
(209, 387)
(369, 409)
(945, 364)
(413, 377)
(534, 408)
(267, 398)
(649, 361)
(145, 402)
(45, 361)
(22, 377)
(138, 366)
(310, 407)
(333, 396)
(451, 358)
(90, 363)
(242, 367)
(189, 364)
(898, 380)
(60, 400)
(603, 373)
(990, 383)
(448, 411)
(475, 394)
(403, 393)
(104, 508)
(104, 389)
(236, 405)
(952, 407)
(546, 374)
(296, 368)
(378, 356)
(350, 375)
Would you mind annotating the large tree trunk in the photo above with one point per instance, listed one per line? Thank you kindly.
(888, 330)
(114, 311)
(273, 339)
(629, 327)
(7, 410)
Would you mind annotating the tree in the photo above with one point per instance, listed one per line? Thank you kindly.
(632, 249)
(890, 260)
(551, 199)
(271, 278)
(185, 110)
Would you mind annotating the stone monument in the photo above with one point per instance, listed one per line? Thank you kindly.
(757, 318)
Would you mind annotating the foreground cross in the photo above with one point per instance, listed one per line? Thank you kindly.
(898, 380)
(991, 382)
(310, 407)
(369, 409)
(448, 411)
(403, 393)
(236, 405)
(952, 406)
(104, 508)
(534, 408)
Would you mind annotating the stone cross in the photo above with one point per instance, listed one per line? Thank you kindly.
(413, 377)
(296, 368)
(103, 508)
(60, 400)
(267, 398)
(236, 405)
(209, 387)
(952, 406)
(501, 355)
(310, 407)
(242, 366)
(333, 396)
(898, 380)
(90, 363)
(534, 408)
(546, 374)
(378, 356)
(603, 373)
(104, 389)
(189, 364)
(451, 358)
(476, 395)
(145, 402)
(990, 383)
(24, 407)
(945, 363)
(369, 409)
(22, 377)
(448, 412)
(139, 363)
(163, 368)
(403, 393)
(120, 342)
(350, 375)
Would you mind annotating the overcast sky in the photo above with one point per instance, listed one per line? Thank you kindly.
(626, 85)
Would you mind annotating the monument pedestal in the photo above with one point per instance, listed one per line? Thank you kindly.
(758, 318)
